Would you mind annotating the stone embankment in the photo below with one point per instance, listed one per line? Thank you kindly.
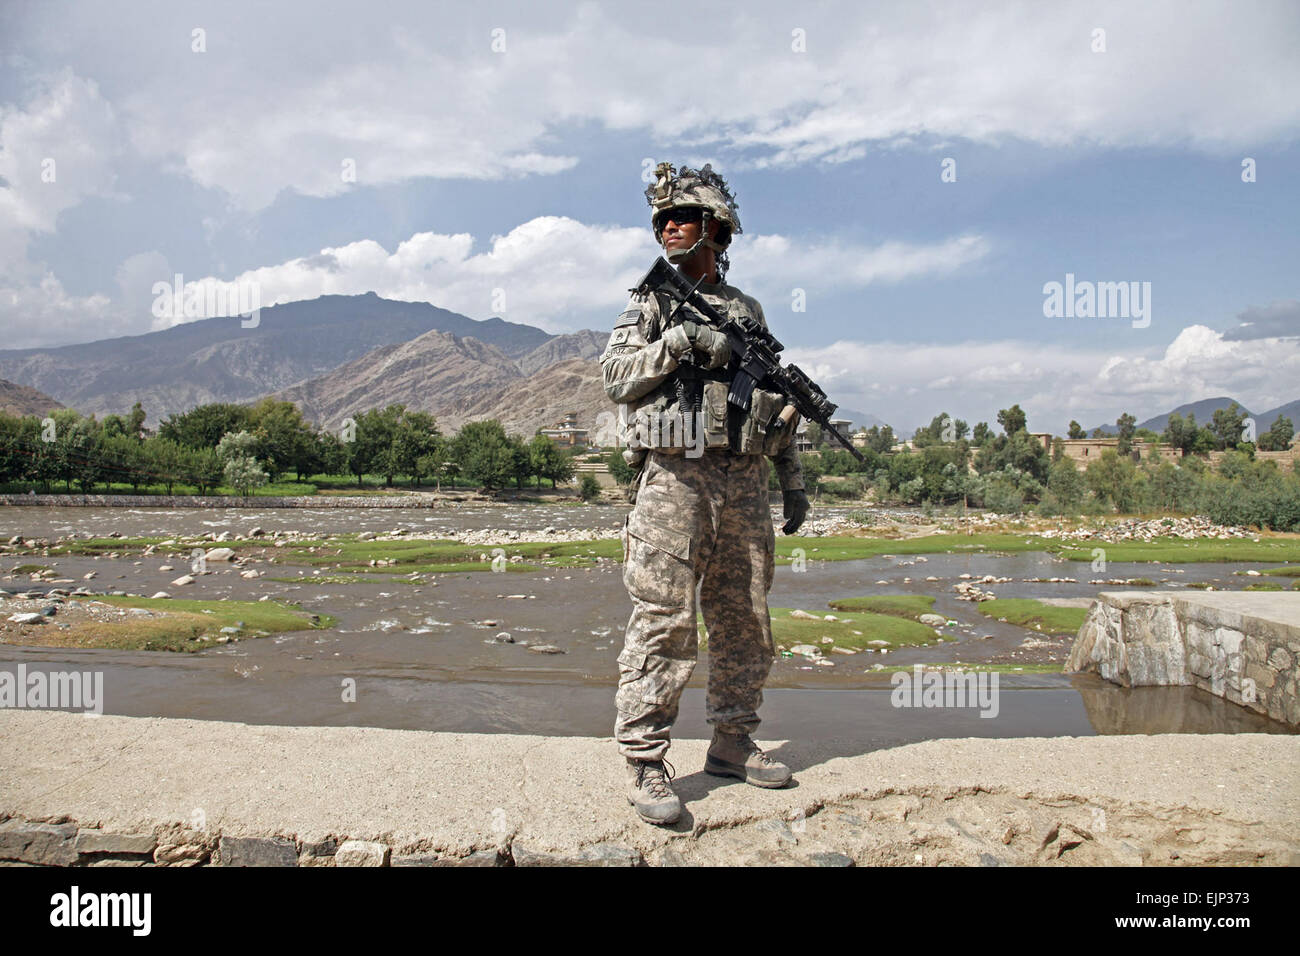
(1241, 646)
(128, 791)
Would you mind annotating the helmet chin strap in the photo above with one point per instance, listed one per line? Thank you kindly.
(678, 256)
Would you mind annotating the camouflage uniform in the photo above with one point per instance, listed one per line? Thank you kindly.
(699, 519)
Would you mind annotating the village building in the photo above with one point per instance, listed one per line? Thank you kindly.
(566, 432)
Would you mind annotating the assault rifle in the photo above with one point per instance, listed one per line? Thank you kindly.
(753, 355)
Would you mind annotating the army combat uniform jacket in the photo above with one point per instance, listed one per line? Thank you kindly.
(701, 520)
(638, 366)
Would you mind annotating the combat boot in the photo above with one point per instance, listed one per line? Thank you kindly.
(649, 789)
(736, 755)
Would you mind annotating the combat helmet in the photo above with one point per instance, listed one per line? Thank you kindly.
(702, 188)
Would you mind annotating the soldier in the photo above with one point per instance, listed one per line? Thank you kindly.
(701, 515)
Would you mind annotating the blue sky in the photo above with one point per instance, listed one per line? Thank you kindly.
(505, 169)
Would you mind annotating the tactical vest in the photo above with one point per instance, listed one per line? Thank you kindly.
(688, 413)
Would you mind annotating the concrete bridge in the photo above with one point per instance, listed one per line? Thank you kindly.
(138, 791)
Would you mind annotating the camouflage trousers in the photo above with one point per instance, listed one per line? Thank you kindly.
(702, 522)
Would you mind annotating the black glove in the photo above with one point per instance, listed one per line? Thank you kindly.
(796, 507)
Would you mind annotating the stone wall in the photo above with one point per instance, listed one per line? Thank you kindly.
(67, 844)
(1244, 646)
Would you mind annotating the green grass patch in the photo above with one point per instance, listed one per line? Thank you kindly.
(851, 548)
(31, 568)
(1290, 571)
(180, 625)
(1264, 586)
(1033, 614)
(93, 546)
(853, 630)
(345, 553)
(1195, 550)
(897, 605)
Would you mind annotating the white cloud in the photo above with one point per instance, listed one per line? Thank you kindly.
(50, 315)
(55, 150)
(776, 261)
(973, 379)
(274, 105)
(562, 275)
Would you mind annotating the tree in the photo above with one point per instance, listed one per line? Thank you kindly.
(982, 434)
(1116, 480)
(124, 460)
(333, 454)
(206, 469)
(1228, 426)
(166, 461)
(135, 423)
(239, 464)
(1066, 485)
(417, 443)
(1126, 424)
(483, 453)
(205, 425)
(74, 438)
(548, 461)
(243, 474)
(589, 488)
(1019, 451)
(1076, 430)
(1180, 432)
(1278, 437)
(618, 468)
(881, 439)
(87, 450)
(372, 449)
(521, 462)
(1012, 420)
(942, 428)
(283, 438)
(112, 426)
(240, 444)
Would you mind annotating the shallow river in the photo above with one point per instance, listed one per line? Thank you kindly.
(423, 656)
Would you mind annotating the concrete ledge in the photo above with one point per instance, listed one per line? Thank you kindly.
(1243, 646)
(133, 791)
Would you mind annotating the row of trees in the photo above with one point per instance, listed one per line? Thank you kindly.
(1012, 472)
(1226, 430)
(244, 446)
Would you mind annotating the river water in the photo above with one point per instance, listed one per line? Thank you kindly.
(424, 654)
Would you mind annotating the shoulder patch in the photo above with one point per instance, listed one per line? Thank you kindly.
(628, 318)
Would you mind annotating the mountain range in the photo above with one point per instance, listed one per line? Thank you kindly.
(20, 400)
(336, 356)
(218, 360)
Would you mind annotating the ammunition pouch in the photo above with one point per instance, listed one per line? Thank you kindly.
(763, 431)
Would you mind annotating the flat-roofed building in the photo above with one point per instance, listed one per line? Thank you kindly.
(566, 432)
